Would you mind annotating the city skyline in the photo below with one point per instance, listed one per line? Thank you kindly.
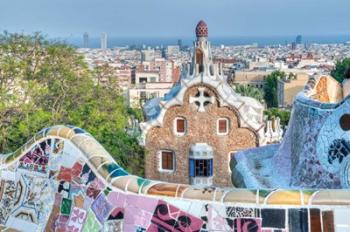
(159, 18)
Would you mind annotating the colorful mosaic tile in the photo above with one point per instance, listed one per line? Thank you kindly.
(76, 220)
(66, 206)
(91, 224)
(101, 207)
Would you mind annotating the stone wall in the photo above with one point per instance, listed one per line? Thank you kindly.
(201, 128)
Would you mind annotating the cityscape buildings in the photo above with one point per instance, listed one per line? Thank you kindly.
(244, 64)
(152, 79)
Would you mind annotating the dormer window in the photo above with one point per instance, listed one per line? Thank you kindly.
(222, 126)
(180, 126)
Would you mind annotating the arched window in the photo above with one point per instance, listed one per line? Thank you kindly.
(180, 126)
(222, 126)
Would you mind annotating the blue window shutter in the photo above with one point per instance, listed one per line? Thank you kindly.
(192, 173)
(211, 167)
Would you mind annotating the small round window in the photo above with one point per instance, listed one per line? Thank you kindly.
(345, 122)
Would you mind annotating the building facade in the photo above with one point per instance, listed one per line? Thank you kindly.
(287, 89)
(192, 132)
(140, 93)
(152, 79)
(250, 78)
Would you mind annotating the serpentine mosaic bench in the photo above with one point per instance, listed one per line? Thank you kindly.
(64, 180)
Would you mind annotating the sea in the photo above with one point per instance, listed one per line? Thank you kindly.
(94, 42)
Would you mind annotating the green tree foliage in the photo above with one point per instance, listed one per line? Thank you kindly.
(250, 91)
(270, 88)
(284, 115)
(340, 69)
(136, 113)
(47, 83)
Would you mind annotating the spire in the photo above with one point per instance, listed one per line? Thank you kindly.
(202, 62)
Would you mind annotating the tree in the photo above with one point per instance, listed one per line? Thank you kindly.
(270, 88)
(106, 75)
(47, 83)
(340, 69)
(250, 91)
(284, 115)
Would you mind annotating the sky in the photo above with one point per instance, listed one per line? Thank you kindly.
(175, 18)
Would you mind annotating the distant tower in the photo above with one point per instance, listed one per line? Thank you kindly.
(179, 43)
(86, 40)
(104, 41)
(299, 39)
(294, 46)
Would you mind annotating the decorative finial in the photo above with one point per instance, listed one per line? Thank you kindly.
(202, 29)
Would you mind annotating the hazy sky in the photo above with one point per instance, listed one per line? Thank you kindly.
(168, 18)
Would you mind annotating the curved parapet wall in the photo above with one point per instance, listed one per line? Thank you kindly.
(318, 145)
(314, 151)
(64, 180)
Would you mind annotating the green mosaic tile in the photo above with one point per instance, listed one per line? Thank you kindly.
(91, 223)
(66, 206)
(265, 192)
(144, 182)
(107, 191)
